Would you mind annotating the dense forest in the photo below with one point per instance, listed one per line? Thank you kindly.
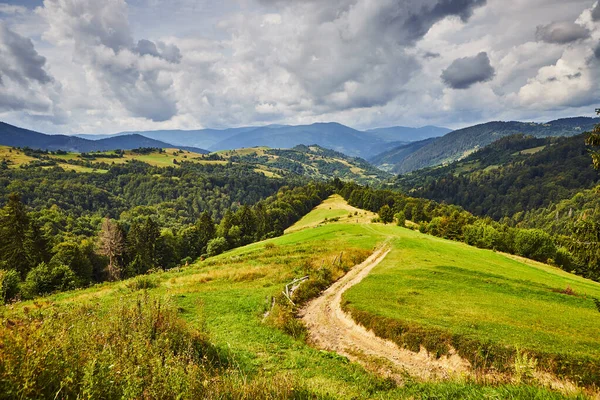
(61, 230)
(514, 174)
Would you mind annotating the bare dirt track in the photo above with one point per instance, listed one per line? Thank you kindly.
(331, 329)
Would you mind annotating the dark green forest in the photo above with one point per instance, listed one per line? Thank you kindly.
(515, 174)
(62, 230)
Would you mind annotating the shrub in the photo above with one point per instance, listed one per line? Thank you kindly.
(142, 282)
(535, 244)
(9, 285)
(216, 246)
(45, 279)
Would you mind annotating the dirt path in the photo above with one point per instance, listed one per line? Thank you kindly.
(332, 329)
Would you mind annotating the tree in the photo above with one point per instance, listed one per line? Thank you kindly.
(111, 244)
(593, 139)
(386, 214)
(216, 246)
(14, 225)
(141, 243)
(400, 219)
(71, 255)
(206, 231)
(45, 279)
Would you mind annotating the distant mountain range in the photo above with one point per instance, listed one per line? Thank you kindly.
(394, 149)
(332, 135)
(18, 137)
(460, 143)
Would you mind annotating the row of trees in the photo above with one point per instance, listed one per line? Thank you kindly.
(31, 265)
(579, 253)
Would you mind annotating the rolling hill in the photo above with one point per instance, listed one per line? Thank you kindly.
(18, 137)
(329, 135)
(389, 160)
(462, 142)
(492, 308)
(333, 136)
(514, 174)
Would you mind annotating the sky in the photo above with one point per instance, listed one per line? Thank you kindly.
(89, 66)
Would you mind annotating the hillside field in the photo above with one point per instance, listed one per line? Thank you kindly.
(424, 280)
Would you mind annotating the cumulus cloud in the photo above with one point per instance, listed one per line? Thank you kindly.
(139, 75)
(20, 61)
(596, 12)
(23, 76)
(359, 62)
(467, 71)
(561, 32)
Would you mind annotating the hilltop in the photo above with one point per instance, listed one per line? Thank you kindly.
(462, 142)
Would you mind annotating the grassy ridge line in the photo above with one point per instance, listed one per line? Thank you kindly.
(435, 293)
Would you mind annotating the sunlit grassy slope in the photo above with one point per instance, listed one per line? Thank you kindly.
(484, 295)
(424, 279)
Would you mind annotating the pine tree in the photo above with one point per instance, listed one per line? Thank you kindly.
(206, 231)
(14, 225)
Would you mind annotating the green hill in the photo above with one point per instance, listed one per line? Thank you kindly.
(514, 174)
(462, 142)
(311, 161)
(483, 303)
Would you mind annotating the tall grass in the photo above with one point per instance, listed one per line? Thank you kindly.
(139, 348)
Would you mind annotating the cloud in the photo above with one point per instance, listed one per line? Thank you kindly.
(139, 75)
(596, 12)
(467, 71)
(24, 81)
(561, 32)
(597, 51)
(20, 61)
(168, 52)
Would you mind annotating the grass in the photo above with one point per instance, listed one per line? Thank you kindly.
(226, 297)
(332, 208)
(452, 289)
(15, 158)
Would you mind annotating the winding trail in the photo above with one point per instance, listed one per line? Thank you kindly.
(331, 329)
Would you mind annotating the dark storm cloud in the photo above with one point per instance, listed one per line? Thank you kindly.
(561, 32)
(467, 71)
(19, 60)
(597, 51)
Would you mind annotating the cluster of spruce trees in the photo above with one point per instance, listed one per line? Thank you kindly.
(33, 263)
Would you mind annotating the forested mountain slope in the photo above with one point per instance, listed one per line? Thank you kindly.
(462, 142)
(514, 174)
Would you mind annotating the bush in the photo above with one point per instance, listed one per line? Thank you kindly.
(216, 246)
(9, 285)
(535, 244)
(45, 279)
(142, 282)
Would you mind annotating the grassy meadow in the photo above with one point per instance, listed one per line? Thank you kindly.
(219, 306)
